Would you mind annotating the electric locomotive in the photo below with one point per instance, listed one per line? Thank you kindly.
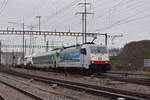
(89, 56)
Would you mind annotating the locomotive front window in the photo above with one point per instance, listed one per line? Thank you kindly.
(102, 50)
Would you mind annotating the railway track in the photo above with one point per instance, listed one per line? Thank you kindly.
(92, 89)
(123, 77)
(126, 73)
(21, 91)
(2, 98)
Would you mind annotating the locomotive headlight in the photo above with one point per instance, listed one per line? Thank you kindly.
(92, 62)
(107, 62)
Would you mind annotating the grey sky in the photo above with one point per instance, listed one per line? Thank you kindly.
(130, 17)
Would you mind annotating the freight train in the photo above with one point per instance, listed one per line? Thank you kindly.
(88, 57)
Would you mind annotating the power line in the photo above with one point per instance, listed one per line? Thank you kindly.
(119, 4)
(128, 9)
(39, 6)
(99, 4)
(73, 22)
(133, 7)
(135, 19)
(59, 11)
(65, 17)
(113, 8)
(3, 6)
(126, 20)
(2, 3)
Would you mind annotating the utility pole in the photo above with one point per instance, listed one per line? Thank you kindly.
(13, 58)
(0, 52)
(39, 17)
(23, 42)
(30, 52)
(47, 42)
(25, 51)
(22, 35)
(106, 39)
(34, 44)
(84, 19)
(82, 13)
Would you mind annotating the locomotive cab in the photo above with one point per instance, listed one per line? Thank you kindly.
(99, 59)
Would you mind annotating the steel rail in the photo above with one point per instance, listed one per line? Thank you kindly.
(2, 98)
(126, 73)
(145, 82)
(92, 89)
(22, 91)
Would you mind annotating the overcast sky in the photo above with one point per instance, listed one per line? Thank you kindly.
(130, 17)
